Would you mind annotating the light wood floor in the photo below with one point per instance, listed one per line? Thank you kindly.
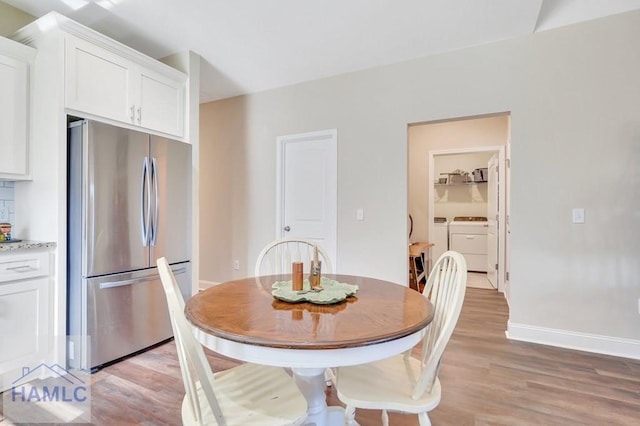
(486, 380)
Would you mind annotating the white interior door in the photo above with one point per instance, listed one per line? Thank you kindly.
(308, 189)
(492, 219)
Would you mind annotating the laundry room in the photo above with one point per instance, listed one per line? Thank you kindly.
(454, 198)
(460, 201)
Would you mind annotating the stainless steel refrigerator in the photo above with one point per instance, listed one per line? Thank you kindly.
(129, 197)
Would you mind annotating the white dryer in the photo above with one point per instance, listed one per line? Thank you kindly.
(468, 236)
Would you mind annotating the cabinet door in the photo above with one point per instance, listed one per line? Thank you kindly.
(14, 113)
(98, 81)
(161, 103)
(24, 333)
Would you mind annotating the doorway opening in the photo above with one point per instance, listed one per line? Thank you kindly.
(458, 175)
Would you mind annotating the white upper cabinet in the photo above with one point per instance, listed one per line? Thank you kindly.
(98, 81)
(15, 65)
(161, 103)
(105, 84)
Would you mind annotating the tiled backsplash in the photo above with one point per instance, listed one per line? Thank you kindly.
(7, 200)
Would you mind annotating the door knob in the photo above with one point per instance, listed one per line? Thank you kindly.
(287, 228)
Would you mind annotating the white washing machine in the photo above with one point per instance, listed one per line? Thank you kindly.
(440, 238)
(468, 236)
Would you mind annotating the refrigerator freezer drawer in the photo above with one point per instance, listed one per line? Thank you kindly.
(124, 313)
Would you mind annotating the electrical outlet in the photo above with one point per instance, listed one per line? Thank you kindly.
(236, 265)
(4, 214)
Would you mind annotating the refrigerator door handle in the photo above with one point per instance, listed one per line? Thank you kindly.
(156, 213)
(112, 284)
(145, 195)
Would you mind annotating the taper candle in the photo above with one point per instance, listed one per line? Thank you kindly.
(315, 255)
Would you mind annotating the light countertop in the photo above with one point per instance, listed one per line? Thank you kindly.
(24, 244)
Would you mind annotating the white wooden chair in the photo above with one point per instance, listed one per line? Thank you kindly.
(248, 394)
(404, 383)
(277, 256)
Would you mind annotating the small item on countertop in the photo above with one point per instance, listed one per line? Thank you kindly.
(296, 272)
(5, 228)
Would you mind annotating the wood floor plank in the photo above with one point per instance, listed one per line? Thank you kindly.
(486, 380)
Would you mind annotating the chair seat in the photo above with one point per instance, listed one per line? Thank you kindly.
(387, 383)
(251, 394)
(397, 383)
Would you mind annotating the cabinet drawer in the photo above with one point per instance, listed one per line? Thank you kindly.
(469, 243)
(25, 265)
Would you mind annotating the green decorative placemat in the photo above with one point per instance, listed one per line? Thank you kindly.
(332, 292)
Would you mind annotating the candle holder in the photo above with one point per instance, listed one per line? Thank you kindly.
(296, 276)
(315, 275)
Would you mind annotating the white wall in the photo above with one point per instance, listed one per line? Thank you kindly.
(12, 19)
(574, 99)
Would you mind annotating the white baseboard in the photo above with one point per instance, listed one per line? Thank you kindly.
(626, 348)
(203, 285)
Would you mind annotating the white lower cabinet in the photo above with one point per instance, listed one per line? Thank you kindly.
(26, 335)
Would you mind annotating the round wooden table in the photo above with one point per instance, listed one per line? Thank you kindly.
(242, 320)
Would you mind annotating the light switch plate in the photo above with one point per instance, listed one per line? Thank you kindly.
(360, 214)
(578, 215)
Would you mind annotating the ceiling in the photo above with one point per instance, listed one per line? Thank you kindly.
(253, 45)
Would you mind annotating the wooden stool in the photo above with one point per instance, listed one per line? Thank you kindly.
(416, 274)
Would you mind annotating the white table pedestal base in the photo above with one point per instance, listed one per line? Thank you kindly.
(312, 384)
